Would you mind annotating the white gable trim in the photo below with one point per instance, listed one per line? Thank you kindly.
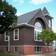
(25, 24)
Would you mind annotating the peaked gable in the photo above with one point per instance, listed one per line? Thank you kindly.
(26, 17)
(45, 11)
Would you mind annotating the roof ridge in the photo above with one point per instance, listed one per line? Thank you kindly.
(30, 12)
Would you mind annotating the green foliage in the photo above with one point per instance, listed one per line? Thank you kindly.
(8, 17)
(47, 36)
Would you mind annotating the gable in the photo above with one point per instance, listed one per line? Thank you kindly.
(38, 16)
(26, 17)
(29, 18)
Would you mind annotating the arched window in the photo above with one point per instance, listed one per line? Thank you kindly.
(49, 23)
(37, 30)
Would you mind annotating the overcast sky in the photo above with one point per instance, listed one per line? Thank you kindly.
(24, 6)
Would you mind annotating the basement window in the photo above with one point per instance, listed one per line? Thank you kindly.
(37, 49)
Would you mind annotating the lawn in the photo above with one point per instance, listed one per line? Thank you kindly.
(6, 54)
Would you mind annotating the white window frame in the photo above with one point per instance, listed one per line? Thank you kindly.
(35, 34)
(49, 23)
(6, 36)
(15, 34)
(35, 37)
(36, 49)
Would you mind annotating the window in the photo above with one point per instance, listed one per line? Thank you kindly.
(6, 36)
(16, 49)
(54, 44)
(36, 38)
(37, 30)
(37, 49)
(49, 23)
(16, 34)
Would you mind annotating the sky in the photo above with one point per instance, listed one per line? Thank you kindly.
(25, 6)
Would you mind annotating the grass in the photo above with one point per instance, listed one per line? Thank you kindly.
(6, 54)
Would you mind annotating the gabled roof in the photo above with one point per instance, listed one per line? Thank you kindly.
(45, 11)
(25, 18)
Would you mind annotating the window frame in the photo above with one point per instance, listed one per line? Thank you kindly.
(37, 49)
(35, 34)
(5, 36)
(49, 21)
(35, 37)
(15, 34)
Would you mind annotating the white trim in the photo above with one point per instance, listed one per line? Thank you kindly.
(38, 40)
(39, 51)
(5, 37)
(25, 24)
(35, 36)
(8, 43)
(37, 30)
(15, 34)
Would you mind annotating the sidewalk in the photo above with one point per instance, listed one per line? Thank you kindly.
(51, 54)
(48, 54)
(35, 55)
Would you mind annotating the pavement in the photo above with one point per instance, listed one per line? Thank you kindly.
(35, 55)
(50, 54)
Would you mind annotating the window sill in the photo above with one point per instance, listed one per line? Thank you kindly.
(16, 39)
(37, 40)
(6, 40)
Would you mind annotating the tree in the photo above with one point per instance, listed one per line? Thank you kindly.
(47, 36)
(7, 16)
